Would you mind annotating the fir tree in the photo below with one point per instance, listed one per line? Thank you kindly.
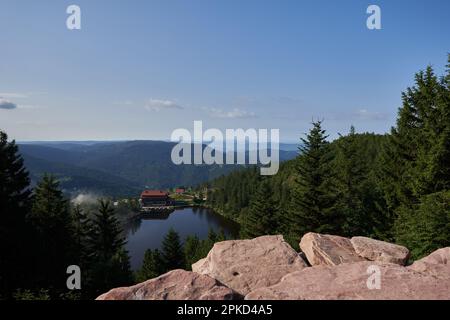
(425, 227)
(110, 265)
(81, 228)
(192, 250)
(416, 156)
(14, 205)
(261, 218)
(106, 233)
(356, 192)
(152, 265)
(172, 251)
(314, 194)
(52, 228)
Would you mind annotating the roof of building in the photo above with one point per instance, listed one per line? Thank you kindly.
(154, 193)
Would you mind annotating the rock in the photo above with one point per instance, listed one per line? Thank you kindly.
(323, 249)
(174, 285)
(376, 250)
(349, 281)
(436, 264)
(245, 265)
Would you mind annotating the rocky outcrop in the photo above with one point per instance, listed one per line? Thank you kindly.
(246, 265)
(381, 251)
(350, 281)
(268, 268)
(436, 264)
(174, 285)
(324, 249)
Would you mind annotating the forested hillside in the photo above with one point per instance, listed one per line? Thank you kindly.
(232, 194)
(394, 187)
(121, 168)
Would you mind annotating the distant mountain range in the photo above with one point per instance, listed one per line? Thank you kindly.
(118, 168)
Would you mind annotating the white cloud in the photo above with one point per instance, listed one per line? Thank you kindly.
(6, 104)
(235, 113)
(158, 105)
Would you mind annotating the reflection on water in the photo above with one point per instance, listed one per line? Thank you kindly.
(148, 231)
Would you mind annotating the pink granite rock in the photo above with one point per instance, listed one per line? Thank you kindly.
(245, 265)
(436, 264)
(350, 281)
(323, 249)
(174, 285)
(381, 251)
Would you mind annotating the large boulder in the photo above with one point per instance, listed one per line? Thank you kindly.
(376, 250)
(174, 285)
(324, 249)
(436, 264)
(350, 281)
(246, 265)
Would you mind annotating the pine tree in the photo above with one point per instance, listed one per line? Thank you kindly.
(106, 233)
(110, 265)
(261, 218)
(152, 266)
(356, 192)
(425, 227)
(192, 250)
(14, 204)
(314, 194)
(52, 228)
(417, 155)
(212, 236)
(172, 251)
(81, 228)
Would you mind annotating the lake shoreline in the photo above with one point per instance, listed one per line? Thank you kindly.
(147, 231)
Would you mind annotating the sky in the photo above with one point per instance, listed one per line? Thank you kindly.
(141, 69)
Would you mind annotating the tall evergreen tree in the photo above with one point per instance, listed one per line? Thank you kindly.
(360, 201)
(172, 251)
(110, 262)
(416, 157)
(351, 175)
(192, 250)
(261, 218)
(425, 227)
(313, 206)
(14, 204)
(106, 233)
(152, 266)
(52, 228)
(81, 228)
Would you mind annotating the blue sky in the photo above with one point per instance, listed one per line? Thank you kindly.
(140, 69)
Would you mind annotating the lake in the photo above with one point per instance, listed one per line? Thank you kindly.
(148, 231)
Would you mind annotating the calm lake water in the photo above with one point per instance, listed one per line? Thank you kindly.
(148, 231)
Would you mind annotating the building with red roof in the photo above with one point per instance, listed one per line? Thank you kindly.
(180, 190)
(155, 198)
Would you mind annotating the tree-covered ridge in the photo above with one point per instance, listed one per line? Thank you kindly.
(393, 187)
(121, 168)
(236, 195)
